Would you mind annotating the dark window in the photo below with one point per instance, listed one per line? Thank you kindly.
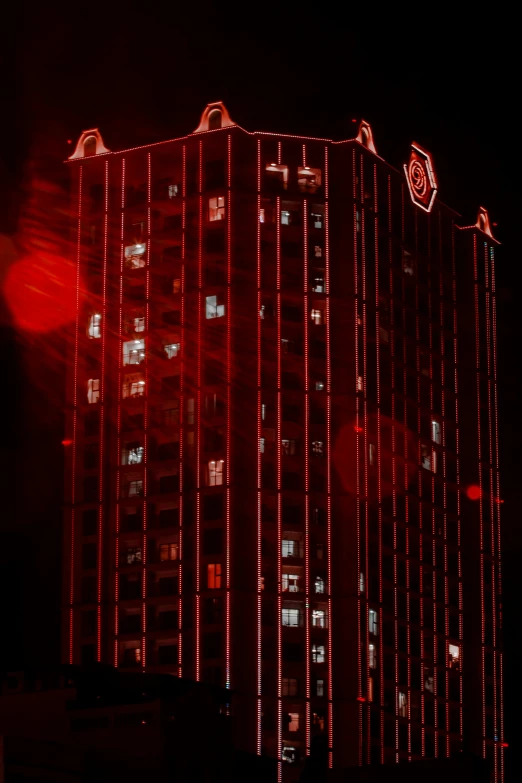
(167, 654)
(130, 587)
(215, 241)
(291, 413)
(168, 620)
(89, 556)
(215, 174)
(171, 317)
(214, 372)
(90, 522)
(293, 652)
(212, 541)
(213, 610)
(90, 456)
(292, 313)
(89, 623)
(172, 222)
(212, 644)
(89, 589)
(168, 585)
(88, 654)
(291, 380)
(213, 506)
(213, 439)
(169, 484)
(90, 488)
(168, 517)
(168, 450)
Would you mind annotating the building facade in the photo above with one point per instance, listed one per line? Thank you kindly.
(282, 471)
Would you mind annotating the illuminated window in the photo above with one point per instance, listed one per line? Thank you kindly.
(319, 584)
(133, 352)
(190, 410)
(428, 458)
(403, 704)
(453, 656)
(289, 686)
(212, 308)
(319, 687)
(287, 346)
(318, 653)
(372, 656)
(133, 385)
(263, 411)
(319, 385)
(172, 350)
(428, 679)
(277, 175)
(289, 447)
(318, 285)
(94, 327)
(319, 618)
(173, 191)
(135, 255)
(168, 551)
(214, 576)
(93, 390)
(370, 689)
(215, 472)
(133, 555)
(293, 721)
(261, 445)
(291, 547)
(316, 316)
(289, 754)
(373, 622)
(408, 264)
(436, 431)
(317, 219)
(358, 221)
(318, 251)
(318, 448)
(318, 720)
(139, 323)
(290, 583)
(286, 217)
(176, 285)
(135, 488)
(216, 208)
(371, 453)
(361, 582)
(291, 617)
(261, 215)
(132, 454)
(308, 180)
(360, 383)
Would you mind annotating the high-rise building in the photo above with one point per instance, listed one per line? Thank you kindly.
(282, 470)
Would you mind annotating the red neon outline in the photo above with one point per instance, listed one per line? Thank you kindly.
(431, 178)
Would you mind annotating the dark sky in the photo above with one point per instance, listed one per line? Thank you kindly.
(143, 72)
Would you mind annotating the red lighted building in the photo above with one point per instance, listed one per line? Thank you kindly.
(282, 475)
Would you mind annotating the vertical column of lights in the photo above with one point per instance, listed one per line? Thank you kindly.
(358, 429)
(405, 478)
(198, 411)
(146, 428)
(365, 441)
(408, 532)
(306, 306)
(497, 496)
(328, 459)
(492, 496)
(102, 418)
(459, 559)
(228, 465)
(182, 406)
(259, 433)
(118, 418)
(279, 499)
(75, 422)
(481, 517)
(379, 454)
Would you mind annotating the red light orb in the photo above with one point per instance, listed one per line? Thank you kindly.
(40, 290)
(474, 492)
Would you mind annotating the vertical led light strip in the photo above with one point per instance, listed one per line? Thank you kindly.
(405, 479)
(101, 484)
(118, 422)
(229, 404)
(258, 457)
(75, 424)
(408, 564)
(182, 407)
(146, 427)
(198, 414)
(306, 307)
(328, 459)
(279, 499)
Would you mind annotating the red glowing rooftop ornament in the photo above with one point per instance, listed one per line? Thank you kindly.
(420, 177)
(89, 143)
(214, 116)
(365, 136)
(483, 223)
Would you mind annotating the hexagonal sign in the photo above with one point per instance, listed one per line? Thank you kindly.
(420, 177)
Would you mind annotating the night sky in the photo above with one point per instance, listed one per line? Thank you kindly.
(143, 72)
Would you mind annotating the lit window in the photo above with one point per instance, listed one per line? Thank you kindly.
(358, 221)
(436, 431)
(135, 255)
(319, 385)
(371, 453)
(318, 653)
(133, 555)
(261, 445)
(262, 312)
(428, 458)
(285, 217)
(290, 548)
(407, 263)
(289, 447)
(135, 488)
(214, 576)
(93, 390)
(360, 383)
(361, 582)
(428, 679)
(216, 208)
(319, 687)
(453, 656)
(370, 689)
(318, 251)
(319, 618)
(133, 454)
(289, 754)
(318, 720)
(139, 323)
(215, 472)
(316, 316)
(308, 179)
(173, 191)
(317, 219)
(287, 346)
(373, 622)
(372, 656)
(168, 552)
(289, 686)
(212, 308)
(318, 448)
(291, 617)
(278, 174)
(403, 704)
(263, 411)
(261, 215)
(293, 722)
(319, 584)
(172, 350)
(176, 285)
(94, 328)
(133, 385)
(290, 583)
(318, 285)
(133, 352)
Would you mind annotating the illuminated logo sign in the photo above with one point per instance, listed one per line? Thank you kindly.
(421, 178)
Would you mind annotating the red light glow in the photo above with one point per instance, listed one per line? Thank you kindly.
(67, 442)
(474, 492)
